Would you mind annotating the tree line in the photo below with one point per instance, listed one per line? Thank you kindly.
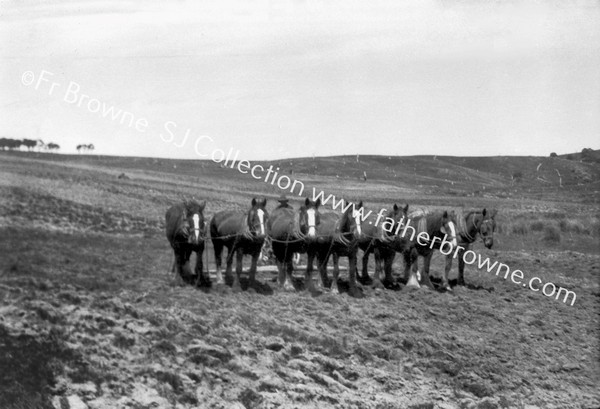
(31, 144)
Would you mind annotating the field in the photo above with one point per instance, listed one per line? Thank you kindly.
(92, 317)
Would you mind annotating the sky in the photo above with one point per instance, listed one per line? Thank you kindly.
(277, 79)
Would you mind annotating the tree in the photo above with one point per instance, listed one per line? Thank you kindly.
(29, 144)
(10, 143)
(83, 147)
(517, 176)
(553, 155)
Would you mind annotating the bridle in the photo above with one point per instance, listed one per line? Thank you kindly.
(197, 229)
(388, 238)
(303, 218)
(249, 231)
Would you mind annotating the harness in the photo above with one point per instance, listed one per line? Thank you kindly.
(471, 239)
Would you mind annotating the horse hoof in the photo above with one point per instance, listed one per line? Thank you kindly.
(365, 280)
(355, 292)
(378, 284)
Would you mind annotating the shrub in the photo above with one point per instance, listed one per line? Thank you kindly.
(537, 226)
(555, 215)
(521, 229)
(572, 226)
(553, 155)
(551, 234)
(595, 227)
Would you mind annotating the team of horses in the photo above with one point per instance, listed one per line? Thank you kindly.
(321, 235)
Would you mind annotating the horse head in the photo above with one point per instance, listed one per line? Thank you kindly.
(449, 228)
(394, 220)
(257, 218)
(310, 218)
(358, 214)
(487, 227)
(193, 226)
(350, 223)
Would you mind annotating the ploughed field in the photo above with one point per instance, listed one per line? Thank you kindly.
(90, 315)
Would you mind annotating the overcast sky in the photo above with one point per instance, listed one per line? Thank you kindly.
(277, 79)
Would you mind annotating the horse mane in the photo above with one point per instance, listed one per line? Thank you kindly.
(461, 221)
(420, 216)
(474, 213)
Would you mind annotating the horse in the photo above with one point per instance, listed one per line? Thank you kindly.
(332, 234)
(433, 230)
(287, 231)
(241, 233)
(378, 238)
(469, 226)
(185, 230)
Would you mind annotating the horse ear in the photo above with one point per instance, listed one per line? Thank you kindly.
(307, 202)
(406, 208)
(484, 212)
(395, 207)
(318, 203)
(264, 202)
(445, 215)
(360, 205)
(253, 202)
(202, 205)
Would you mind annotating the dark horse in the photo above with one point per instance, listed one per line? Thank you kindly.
(288, 231)
(336, 235)
(241, 233)
(469, 226)
(426, 233)
(186, 233)
(378, 238)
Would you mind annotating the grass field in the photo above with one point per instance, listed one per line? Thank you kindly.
(91, 315)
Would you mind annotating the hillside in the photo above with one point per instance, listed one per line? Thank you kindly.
(92, 318)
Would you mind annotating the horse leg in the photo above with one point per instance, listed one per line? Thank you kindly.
(461, 265)
(280, 270)
(231, 250)
(279, 253)
(352, 262)
(184, 263)
(289, 267)
(252, 279)
(178, 264)
(239, 253)
(218, 248)
(308, 282)
(388, 261)
(322, 260)
(426, 280)
(411, 267)
(377, 275)
(201, 279)
(365, 266)
(336, 274)
(447, 268)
